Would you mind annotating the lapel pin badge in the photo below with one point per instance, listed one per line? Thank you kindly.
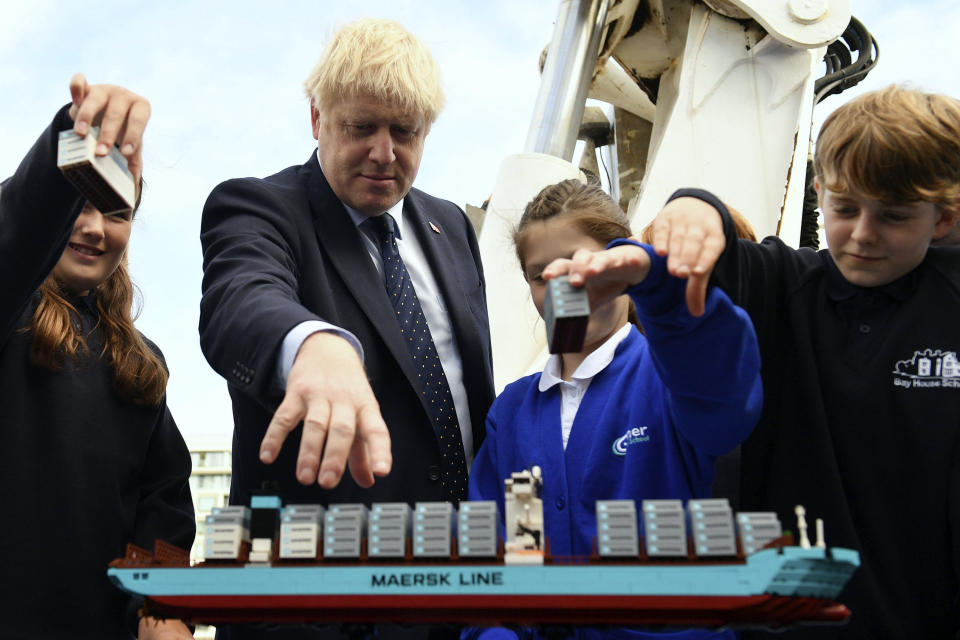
(436, 229)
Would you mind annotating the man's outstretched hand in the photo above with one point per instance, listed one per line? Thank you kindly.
(327, 389)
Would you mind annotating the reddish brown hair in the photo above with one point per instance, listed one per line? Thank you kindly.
(897, 144)
(139, 374)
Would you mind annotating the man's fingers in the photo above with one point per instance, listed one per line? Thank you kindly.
(312, 440)
(343, 423)
(340, 437)
(370, 455)
(285, 419)
(359, 464)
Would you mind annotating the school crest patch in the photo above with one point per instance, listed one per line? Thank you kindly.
(632, 436)
(928, 369)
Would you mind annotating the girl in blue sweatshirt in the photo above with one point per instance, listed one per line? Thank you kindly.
(689, 384)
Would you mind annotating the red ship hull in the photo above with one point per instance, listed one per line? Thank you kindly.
(707, 611)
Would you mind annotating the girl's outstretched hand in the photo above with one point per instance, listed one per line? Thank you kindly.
(605, 273)
(121, 115)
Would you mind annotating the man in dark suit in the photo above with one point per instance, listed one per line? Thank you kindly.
(295, 311)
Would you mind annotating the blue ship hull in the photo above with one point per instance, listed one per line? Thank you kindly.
(772, 587)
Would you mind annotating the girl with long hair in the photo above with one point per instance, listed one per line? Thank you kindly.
(90, 455)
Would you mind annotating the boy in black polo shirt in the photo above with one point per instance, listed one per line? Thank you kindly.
(859, 345)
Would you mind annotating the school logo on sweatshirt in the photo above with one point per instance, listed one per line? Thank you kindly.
(930, 368)
(632, 436)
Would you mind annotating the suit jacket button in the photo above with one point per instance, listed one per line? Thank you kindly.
(433, 472)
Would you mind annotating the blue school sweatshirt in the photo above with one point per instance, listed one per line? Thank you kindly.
(691, 385)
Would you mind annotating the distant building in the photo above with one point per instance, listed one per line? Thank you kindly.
(210, 487)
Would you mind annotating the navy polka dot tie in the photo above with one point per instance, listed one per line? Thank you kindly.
(433, 382)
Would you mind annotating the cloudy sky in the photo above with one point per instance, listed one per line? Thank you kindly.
(224, 80)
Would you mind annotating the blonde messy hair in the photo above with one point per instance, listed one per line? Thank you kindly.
(897, 144)
(377, 58)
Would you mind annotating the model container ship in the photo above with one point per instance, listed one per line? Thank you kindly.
(693, 565)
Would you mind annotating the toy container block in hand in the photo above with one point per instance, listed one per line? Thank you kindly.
(105, 181)
(566, 312)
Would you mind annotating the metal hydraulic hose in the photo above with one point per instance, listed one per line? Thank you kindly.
(567, 73)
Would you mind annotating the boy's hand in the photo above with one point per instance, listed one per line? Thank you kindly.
(605, 273)
(120, 113)
(690, 233)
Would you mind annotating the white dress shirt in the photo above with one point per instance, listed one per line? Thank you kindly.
(434, 310)
(571, 393)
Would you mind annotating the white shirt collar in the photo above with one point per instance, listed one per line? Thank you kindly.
(591, 365)
(396, 211)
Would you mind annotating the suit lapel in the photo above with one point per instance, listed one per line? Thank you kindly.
(341, 242)
(434, 239)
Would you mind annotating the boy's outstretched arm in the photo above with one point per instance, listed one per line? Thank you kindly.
(690, 233)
